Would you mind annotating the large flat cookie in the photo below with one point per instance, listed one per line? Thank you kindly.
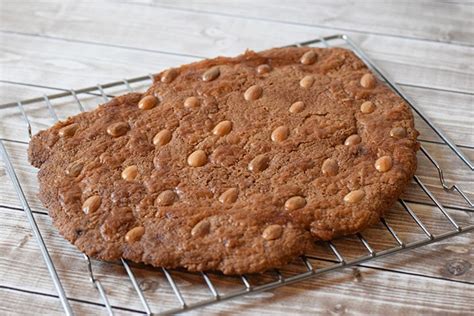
(230, 164)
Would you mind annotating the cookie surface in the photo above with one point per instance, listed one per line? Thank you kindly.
(230, 164)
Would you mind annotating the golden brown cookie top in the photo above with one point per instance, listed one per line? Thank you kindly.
(230, 164)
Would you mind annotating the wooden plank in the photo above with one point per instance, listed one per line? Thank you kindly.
(455, 172)
(382, 289)
(363, 293)
(22, 266)
(356, 291)
(451, 112)
(449, 259)
(15, 302)
(426, 63)
(14, 92)
(412, 19)
(70, 65)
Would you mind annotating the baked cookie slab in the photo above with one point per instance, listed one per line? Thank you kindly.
(230, 164)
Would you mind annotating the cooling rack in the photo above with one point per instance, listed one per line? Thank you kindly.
(431, 201)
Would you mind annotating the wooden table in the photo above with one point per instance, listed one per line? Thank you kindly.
(427, 49)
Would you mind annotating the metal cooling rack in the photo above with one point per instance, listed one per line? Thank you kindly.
(334, 259)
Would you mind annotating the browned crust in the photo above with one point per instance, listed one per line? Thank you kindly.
(234, 243)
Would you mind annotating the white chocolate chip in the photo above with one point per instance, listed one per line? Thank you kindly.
(367, 107)
(280, 133)
(263, 69)
(307, 82)
(398, 132)
(368, 81)
(68, 131)
(148, 102)
(91, 204)
(297, 107)
(253, 93)
(166, 198)
(134, 234)
(309, 57)
(169, 75)
(117, 129)
(191, 102)
(352, 140)
(162, 138)
(383, 164)
(354, 196)
(294, 203)
(330, 167)
(211, 74)
(229, 196)
(201, 229)
(222, 128)
(197, 159)
(130, 173)
(259, 163)
(74, 169)
(272, 232)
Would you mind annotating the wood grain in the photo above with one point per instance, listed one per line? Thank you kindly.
(426, 47)
(19, 249)
(210, 35)
(17, 302)
(76, 65)
(453, 22)
(16, 92)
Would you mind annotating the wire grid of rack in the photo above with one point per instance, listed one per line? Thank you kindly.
(335, 259)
